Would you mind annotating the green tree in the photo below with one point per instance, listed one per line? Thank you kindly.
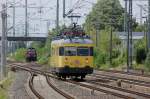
(147, 62)
(104, 12)
(140, 49)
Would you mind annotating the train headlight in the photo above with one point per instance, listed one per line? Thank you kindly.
(66, 59)
(86, 61)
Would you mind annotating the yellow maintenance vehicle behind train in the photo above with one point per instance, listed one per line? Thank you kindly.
(72, 55)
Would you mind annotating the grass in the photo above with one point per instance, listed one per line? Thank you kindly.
(19, 55)
(4, 86)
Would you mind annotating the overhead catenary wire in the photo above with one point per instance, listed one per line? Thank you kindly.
(18, 2)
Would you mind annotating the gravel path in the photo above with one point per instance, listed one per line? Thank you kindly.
(17, 89)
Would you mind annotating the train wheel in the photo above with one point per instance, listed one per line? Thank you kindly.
(59, 77)
(64, 77)
(82, 77)
(27, 59)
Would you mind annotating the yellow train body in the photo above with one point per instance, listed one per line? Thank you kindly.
(72, 57)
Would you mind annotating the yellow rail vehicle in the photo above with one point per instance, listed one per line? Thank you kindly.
(72, 57)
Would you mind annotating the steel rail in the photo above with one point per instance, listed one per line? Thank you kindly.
(33, 89)
(58, 90)
(120, 89)
(100, 89)
(73, 82)
(123, 72)
(126, 80)
(36, 71)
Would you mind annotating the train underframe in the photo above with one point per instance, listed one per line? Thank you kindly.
(31, 59)
(68, 72)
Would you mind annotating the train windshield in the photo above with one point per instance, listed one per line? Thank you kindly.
(70, 51)
(83, 51)
(76, 51)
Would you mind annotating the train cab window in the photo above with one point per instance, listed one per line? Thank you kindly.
(83, 51)
(52, 51)
(70, 51)
(91, 51)
(61, 51)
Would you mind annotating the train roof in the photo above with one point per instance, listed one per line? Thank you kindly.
(73, 41)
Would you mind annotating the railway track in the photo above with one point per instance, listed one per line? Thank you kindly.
(100, 89)
(126, 80)
(36, 71)
(120, 89)
(59, 91)
(33, 89)
(123, 72)
(87, 84)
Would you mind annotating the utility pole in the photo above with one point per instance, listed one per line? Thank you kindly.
(3, 42)
(14, 15)
(64, 8)
(26, 18)
(145, 34)
(57, 17)
(125, 16)
(141, 13)
(126, 32)
(130, 37)
(148, 24)
(97, 34)
(111, 30)
(97, 39)
(48, 24)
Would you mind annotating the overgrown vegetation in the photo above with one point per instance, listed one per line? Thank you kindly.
(101, 18)
(147, 62)
(19, 55)
(5, 84)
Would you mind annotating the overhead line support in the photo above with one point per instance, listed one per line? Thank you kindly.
(3, 42)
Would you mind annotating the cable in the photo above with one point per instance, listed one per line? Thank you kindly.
(18, 2)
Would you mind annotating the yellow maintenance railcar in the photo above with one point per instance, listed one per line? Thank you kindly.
(72, 57)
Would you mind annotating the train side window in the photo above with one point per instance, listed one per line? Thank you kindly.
(61, 51)
(91, 51)
(52, 51)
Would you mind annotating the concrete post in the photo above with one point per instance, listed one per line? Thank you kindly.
(3, 42)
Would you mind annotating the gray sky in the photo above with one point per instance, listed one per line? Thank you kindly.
(37, 20)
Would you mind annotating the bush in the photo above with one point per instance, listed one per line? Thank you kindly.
(19, 55)
(115, 53)
(43, 60)
(147, 62)
(99, 58)
(140, 55)
(118, 61)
